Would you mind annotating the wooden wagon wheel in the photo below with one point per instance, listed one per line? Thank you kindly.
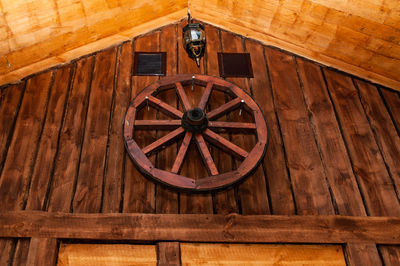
(194, 123)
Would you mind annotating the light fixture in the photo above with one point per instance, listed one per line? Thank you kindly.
(194, 39)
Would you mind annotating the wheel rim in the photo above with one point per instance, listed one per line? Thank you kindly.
(198, 125)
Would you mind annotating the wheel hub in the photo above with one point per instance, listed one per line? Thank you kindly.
(194, 120)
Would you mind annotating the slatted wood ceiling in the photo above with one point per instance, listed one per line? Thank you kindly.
(333, 147)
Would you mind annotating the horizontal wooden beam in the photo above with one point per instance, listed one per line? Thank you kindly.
(201, 227)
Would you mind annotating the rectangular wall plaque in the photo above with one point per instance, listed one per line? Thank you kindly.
(150, 64)
(235, 65)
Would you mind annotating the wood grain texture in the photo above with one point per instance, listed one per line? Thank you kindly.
(48, 146)
(192, 203)
(71, 138)
(257, 254)
(252, 192)
(311, 190)
(9, 108)
(139, 194)
(18, 166)
(224, 202)
(114, 175)
(168, 253)
(375, 182)
(43, 30)
(390, 255)
(42, 251)
(356, 37)
(335, 158)
(392, 100)
(275, 168)
(166, 199)
(106, 254)
(209, 228)
(87, 197)
(362, 254)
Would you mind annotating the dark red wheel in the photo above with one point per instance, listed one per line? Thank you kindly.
(195, 123)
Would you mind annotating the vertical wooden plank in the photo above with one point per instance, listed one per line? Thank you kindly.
(376, 185)
(88, 193)
(224, 201)
(392, 100)
(67, 158)
(253, 191)
(139, 192)
(166, 199)
(168, 253)
(48, 146)
(192, 203)
(21, 252)
(390, 255)
(42, 251)
(364, 254)
(311, 190)
(9, 108)
(388, 142)
(384, 130)
(7, 248)
(280, 191)
(17, 169)
(15, 178)
(116, 151)
(332, 147)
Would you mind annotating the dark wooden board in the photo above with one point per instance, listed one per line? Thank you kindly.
(88, 193)
(208, 228)
(68, 154)
(392, 100)
(333, 151)
(9, 108)
(42, 251)
(192, 203)
(166, 199)
(48, 145)
(224, 201)
(376, 185)
(362, 254)
(276, 172)
(168, 253)
(112, 193)
(139, 192)
(311, 190)
(384, 130)
(252, 192)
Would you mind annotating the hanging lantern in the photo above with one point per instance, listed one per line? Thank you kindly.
(194, 40)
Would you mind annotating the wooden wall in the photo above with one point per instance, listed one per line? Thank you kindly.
(359, 37)
(333, 150)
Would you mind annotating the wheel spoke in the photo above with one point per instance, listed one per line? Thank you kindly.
(223, 109)
(160, 143)
(181, 153)
(231, 126)
(164, 107)
(225, 144)
(182, 95)
(205, 154)
(157, 124)
(206, 96)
